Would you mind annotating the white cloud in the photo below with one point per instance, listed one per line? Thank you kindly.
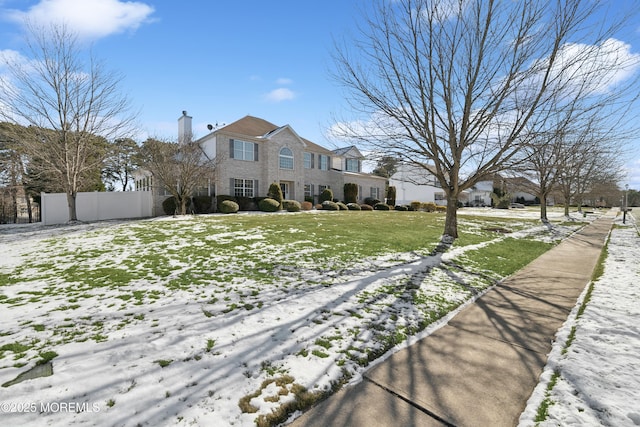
(284, 81)
(88, 18)
(280, 94)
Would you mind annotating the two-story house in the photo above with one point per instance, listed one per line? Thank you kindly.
(252, 153)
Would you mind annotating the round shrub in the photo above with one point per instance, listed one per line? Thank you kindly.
(441, 208)
(229, 206)
(306, 205)
(269, 205)
(221, 198)
(401, 208)
(381, 207)
(429, 207)
(371, 201)
(291, 205)
(328, 205)
(342, 206)
(415, 205)
(169, 206)
(326, 194)
(353, 207)
(366, 207)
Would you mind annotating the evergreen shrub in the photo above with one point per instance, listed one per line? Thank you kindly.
(229, 206)
(269, 205)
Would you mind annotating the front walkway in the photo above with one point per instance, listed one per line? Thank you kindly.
(480, 368)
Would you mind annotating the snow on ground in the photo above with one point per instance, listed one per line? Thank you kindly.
(172, 347)
(596, 376)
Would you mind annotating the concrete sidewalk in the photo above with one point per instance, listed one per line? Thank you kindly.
(480, 368)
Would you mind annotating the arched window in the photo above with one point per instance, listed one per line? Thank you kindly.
(286, 158)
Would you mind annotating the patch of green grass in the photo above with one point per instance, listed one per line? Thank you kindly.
(543, 410)
(320, 354)
(46, 356)
(164, 362)
(15, 347)
(505, 257)
(210, 344)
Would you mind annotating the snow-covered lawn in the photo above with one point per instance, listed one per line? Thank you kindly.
(146, 325)
(594, 377)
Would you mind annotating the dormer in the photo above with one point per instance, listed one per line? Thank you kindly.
(348, 159)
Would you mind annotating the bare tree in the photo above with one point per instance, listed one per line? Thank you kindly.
(70, 104)
(589, 161)
(179, 167)
(455, 85)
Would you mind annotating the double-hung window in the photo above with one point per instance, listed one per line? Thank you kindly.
(323, 162)
(375, 193)
(243, 187)
(243, 150)
(352, 165)
(308, 160)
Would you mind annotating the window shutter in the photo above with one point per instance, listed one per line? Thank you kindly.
(231, 148)
(255, 152)
(312, 159)
(255, 188)
(232, 185)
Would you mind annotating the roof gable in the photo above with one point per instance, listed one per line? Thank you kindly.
(351, 152)
(250, 126)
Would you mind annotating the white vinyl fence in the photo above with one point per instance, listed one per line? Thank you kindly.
(97, 206)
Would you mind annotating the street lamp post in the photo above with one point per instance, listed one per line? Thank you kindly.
(624, 209)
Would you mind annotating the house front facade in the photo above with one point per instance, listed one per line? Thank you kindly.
(252, 153)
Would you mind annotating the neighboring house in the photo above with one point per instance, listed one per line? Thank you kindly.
(253, 153)
(416, 183)
(480, 194)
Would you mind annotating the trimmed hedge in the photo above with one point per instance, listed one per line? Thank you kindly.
(291, 205)
(229, 206)
(269, 205)
(328, 205)
(371, 201)
(275, 192)
(353, 207)
(350, 192)
(381, 207)
(306, 205)
(221, 198)
(202, 204)
(327, 194)
(366, 207)
(169, 206)
(429, 206)
(342, 206)
(391, 195)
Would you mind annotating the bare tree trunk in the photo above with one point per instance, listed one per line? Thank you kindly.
(543, 207)
(451, 220)
(71, 201)
(27, 200)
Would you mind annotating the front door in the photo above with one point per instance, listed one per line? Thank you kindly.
(285, 188)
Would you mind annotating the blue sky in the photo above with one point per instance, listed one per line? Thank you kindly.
(218, 60)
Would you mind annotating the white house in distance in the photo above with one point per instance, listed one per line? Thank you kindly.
(415, 183)
(253, 153)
